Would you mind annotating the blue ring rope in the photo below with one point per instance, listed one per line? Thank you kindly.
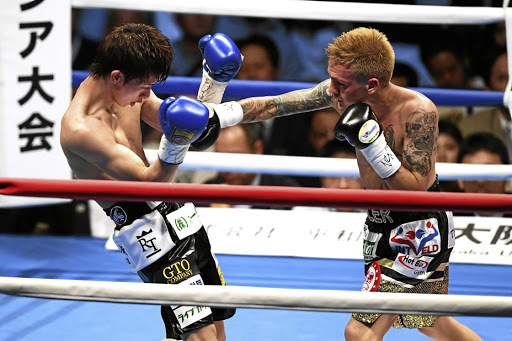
(247, 88)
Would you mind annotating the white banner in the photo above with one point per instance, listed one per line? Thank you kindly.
(35, 90)
(327, 234)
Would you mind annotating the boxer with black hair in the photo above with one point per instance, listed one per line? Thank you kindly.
(101, 139)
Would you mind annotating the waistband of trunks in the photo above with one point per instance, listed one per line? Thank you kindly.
(124, 213)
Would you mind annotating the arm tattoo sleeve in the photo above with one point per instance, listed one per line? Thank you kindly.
(299, 101)
(421, 129)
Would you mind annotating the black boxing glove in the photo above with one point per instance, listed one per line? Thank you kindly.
(210, 134)
(221, 116)
(360, 127)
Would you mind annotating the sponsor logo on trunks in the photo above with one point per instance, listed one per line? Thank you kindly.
(185, 221)
(187, 315)
(414, 267)
(412, 263)
(147, 244)
(368, 250)
(118, 215)
(181, 223)
(178, 271)
(416, 238)
(371, 239)
(372, 279)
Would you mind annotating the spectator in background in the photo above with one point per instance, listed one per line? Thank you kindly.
(499, 34)
(409, 54)
(68, 218)
(92, 25)
(243, 27)
(261, 63)
(495, 120)
(318, 129)
(188, 60)
(492, 41)
(448, 66)
(321, 130)
(283, 135)
(483, 148)
(448, 145)
(342, 150)
(404, 75)
(261, 58)
(118, 17)
(90, 29)
(245, 139)
(311, 37)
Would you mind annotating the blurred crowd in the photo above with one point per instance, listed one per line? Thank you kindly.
(436, 56)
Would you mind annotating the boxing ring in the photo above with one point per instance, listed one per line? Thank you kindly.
(293, 290)
(56, 288)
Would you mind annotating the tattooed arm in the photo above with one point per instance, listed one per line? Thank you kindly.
(263, 108)
(418, 152)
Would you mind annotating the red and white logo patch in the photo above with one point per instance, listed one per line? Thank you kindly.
(372, 280)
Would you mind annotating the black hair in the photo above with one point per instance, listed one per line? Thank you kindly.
(139, 51)
(336, 146)
(253, 131)
(404, 70)
(483, 141)
(489, 64)
(450, 128)
(264, 41)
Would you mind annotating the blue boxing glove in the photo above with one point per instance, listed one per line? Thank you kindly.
(221, 57)
(221, 61)
(183, 120)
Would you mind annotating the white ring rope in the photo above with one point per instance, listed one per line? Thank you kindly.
(320, 166)
(252, 297)
(313, 10)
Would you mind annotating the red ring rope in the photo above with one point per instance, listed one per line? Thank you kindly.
(262, 195)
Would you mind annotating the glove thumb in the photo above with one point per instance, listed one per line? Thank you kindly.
(203, 41)
(166, 103)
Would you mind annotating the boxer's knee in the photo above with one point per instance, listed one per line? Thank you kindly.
(221, 331)
(206, 333)
(357, 331)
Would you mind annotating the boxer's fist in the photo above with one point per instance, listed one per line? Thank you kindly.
(358, 125)
(221, 57)
(210, 134)
(183, 119)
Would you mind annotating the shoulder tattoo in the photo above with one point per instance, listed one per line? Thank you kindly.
(261, 108)
(421, 129)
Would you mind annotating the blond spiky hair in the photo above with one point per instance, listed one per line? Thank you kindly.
(366, 52)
